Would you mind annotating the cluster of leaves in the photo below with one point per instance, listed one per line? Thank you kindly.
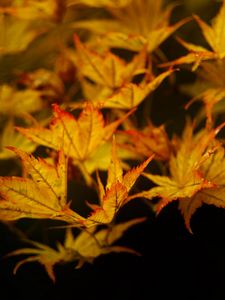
(76, 77)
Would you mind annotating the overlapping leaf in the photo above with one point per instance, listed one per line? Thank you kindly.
(10, 137)
(213, 34)
(42, 195)
(84, 248)
(108, 70)
(186, 177)
(150, 140)
(115, 194)
(149, 26)
(213, 170)
(34, 9)
(16, 103)
(15, 35)
(111, 77)
(80, 138)
(209, 87)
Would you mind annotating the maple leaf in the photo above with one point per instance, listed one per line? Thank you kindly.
(213, 35)
(213, 170)
(43, 80)
(15, 35)
(80, 138)
(197, 54)
(209, 86)
(17, 103)
(42, 195)
(108, 69)
(150, 140)
(137, 24)
(10, 137)
(186, 178)
(35, 9)
(131, 95)
(115, 194)
(84, 248)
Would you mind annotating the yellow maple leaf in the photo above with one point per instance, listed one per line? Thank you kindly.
(197, 54)
(16, 103)
(80, 138)
(131, 95)
(136, 24)
(36, 9)
(213, 170)
(209, 86)
(15, 35)
(213, 34)
(115, 194)
(84, 248)
(108, 69)
(186, 177)
(150, 140)
(111, 77)
(10, 137)
(42, 195)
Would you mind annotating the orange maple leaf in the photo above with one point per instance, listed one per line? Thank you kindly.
(79, 138)
(115, 194)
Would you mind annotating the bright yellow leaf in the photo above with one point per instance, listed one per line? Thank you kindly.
(36, 9)
(213, 170)
(186, 177)
(138, 23)
(17, 103)
(15, 35)
(42, 195)
(11, 137)
(80, 138)
(131, 95)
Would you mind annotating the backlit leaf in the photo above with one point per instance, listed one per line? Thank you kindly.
(84, 248)
(80, 138)
(42, 195)
(116, 192)
(186, 177)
